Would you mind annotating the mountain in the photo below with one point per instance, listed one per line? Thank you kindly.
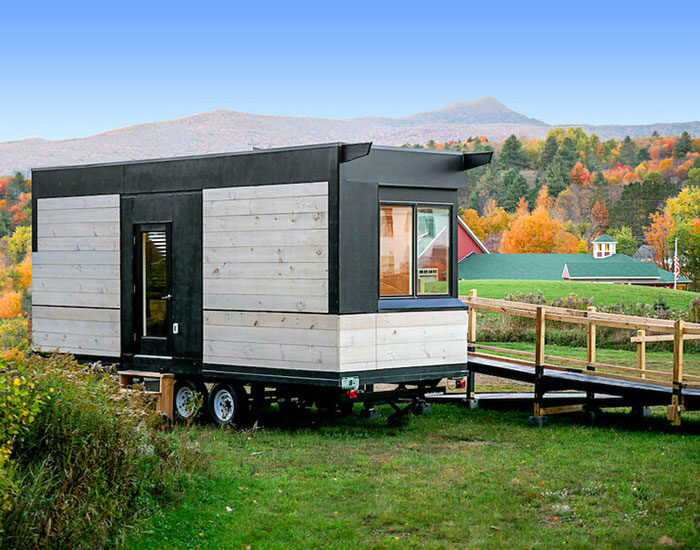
(221, 131)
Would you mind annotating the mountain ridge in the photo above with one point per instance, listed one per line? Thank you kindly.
(222, 130)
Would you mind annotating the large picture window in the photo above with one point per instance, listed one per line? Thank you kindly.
(414, 250)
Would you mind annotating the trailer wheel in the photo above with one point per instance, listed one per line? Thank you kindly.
(189, 398)
(226, 404)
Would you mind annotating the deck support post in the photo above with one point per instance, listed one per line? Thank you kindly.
(591, 353)
(471, 339)
(537, 418)
(165, 399)
(642, 352)
(676, 407)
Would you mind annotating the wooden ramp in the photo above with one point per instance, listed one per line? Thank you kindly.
(505, 400)
(631, 386)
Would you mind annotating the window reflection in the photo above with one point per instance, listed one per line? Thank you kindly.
(433, 248)
(395, 250)
(155, 283)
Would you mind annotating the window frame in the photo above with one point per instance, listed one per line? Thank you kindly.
(415, 205)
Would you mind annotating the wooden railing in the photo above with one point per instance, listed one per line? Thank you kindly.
(663, 330)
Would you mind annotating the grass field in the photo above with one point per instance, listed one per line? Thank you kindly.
(602, 293)
(456, 479)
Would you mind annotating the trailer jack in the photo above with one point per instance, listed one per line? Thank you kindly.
(417, 406)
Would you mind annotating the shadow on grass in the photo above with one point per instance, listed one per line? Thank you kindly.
(616, 419)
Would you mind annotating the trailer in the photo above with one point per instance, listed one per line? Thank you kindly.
(301, 275)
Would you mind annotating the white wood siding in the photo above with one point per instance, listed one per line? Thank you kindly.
(335, 343)
(268, 339)
(421, 338)
(76, 275)
(266, 248)
(357, 342)
(87, 331)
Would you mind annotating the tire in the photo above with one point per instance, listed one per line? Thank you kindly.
(185, 396)
(226, 404)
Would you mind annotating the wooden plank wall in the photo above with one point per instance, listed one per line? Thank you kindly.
(268, 339)
(334, 343)
(421, 338)
(266, 248)
(75, 272)
(393, 340)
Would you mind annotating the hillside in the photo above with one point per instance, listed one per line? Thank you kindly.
(223, 130)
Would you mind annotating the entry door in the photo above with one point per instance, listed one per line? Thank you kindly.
(161, 266)
(153, 296)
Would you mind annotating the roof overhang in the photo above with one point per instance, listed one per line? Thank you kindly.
(474, 160)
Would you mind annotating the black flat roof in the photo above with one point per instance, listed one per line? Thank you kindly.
(354, 150)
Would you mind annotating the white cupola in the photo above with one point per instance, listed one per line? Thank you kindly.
(604, 246)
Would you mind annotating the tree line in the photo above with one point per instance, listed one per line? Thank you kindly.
(559, 193)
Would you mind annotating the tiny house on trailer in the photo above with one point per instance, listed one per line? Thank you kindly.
(299, 272)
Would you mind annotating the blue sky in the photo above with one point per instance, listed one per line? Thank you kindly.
(76, 68)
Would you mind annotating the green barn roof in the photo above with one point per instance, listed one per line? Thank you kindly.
(550, 267)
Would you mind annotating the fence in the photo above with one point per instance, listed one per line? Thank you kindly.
(646, 330)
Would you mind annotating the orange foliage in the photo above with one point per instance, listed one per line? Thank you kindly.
(617, 173)
(496, 218)
(10, 305)
(523, 208)
(476, 223)
(537, 233)
(24, 273)
(600, 218)
(543, 199)
(580, 174)
(666, 168)
(17, 211)
(657, 234)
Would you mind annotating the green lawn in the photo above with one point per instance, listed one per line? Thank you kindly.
(458, 478)
(602, 293)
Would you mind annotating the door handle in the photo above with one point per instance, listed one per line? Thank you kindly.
(166, 297)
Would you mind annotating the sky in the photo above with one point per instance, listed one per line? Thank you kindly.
(72, 69)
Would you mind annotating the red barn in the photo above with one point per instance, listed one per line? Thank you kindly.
(467, 242)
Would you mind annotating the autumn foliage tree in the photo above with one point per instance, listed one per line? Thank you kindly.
(580, 175)
(658, 234)
(537, 233)
(476, 223)
(600, 218)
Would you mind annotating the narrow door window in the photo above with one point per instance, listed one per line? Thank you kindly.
(154, 280)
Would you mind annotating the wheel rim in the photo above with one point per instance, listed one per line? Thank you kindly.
(184, 402)
(224, 405)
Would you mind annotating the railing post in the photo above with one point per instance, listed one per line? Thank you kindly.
(471, 331)
(642, 352)
(591, 340)
(590, 396)
(674, 411)
(539, 367)
(471, 339)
